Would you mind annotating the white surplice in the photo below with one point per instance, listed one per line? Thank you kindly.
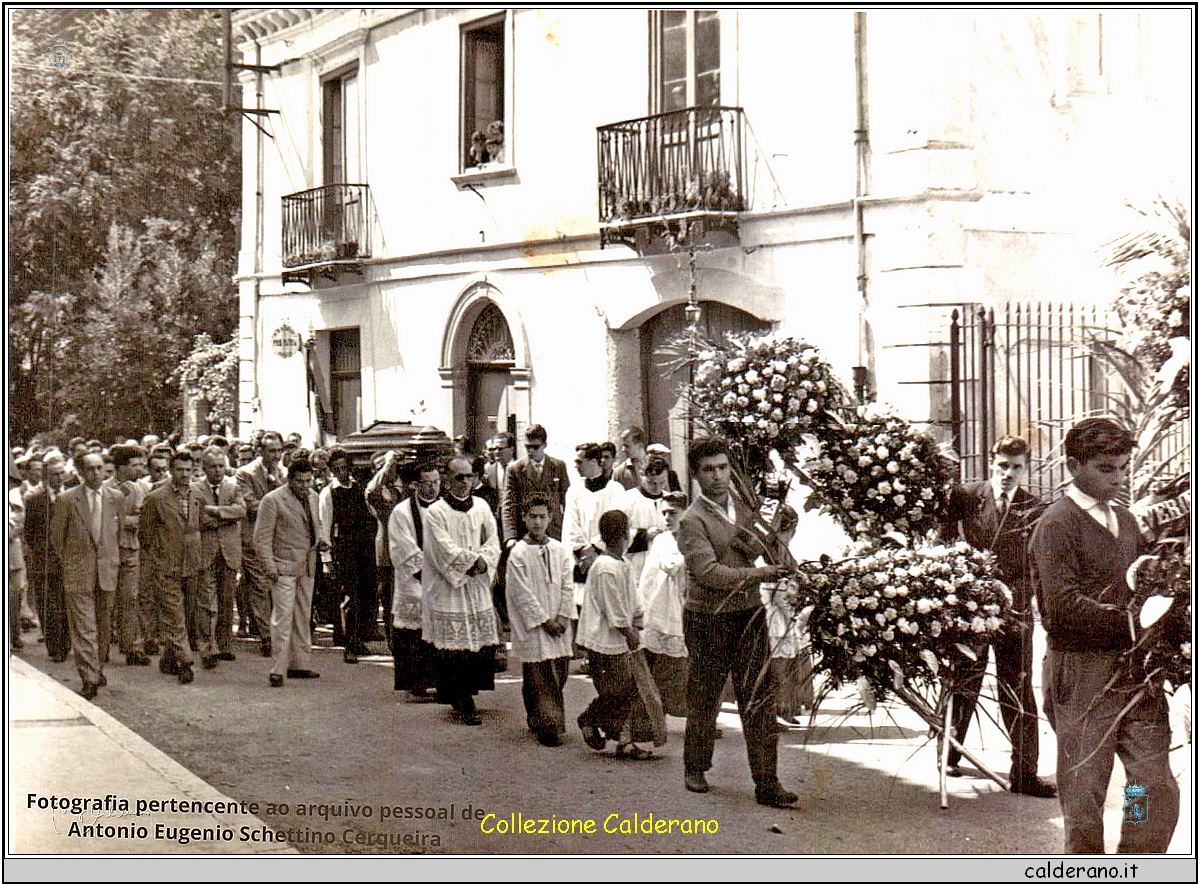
(539, 587)
(458, 611)
(661, 591)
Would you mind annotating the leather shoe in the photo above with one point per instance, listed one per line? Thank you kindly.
(548, 737)
(185, 674)
(301, 674)
(774, 794)
(167, 664)
(266, 648)
(696, 782)
(276, 680)
(1034, 787)
(89, 690)
(226, 656)
(349, 657)
(209, 662)
(139, 659)
(103, 681)
(591, 735)
(954, 771)
(472, 719)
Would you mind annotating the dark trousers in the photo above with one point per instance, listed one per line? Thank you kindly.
(356, 583)
(1018, 703)
(1083, 714)
(617, 701)
(542, 684)
(718, 644)
(52, 611)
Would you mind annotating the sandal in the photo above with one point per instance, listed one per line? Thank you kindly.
(591, 736)
(632, 752)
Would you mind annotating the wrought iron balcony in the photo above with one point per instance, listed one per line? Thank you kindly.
(672, 167)
(326, 228)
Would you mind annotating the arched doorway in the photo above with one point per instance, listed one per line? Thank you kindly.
(490, 360)
(665, 415)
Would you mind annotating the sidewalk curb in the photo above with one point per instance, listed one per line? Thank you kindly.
(187, 783)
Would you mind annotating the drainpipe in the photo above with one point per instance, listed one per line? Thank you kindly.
(864, 372)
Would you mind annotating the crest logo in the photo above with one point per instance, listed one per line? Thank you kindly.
(60, 56)
(1137, 804)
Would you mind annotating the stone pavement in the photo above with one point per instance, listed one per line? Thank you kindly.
(62, 747)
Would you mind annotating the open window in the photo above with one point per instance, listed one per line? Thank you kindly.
(486, 64)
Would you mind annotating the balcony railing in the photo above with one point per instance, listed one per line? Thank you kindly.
(327, 226)
(681, 163)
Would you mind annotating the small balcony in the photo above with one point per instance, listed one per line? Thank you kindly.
(326, 230)
(671, 174)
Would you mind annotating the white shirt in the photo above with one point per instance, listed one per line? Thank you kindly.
(325, 511)
(1100, 511)
(729, 511)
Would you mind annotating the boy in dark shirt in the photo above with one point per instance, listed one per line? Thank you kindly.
(1081, 549)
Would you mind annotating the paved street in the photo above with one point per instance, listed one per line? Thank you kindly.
(347, 741)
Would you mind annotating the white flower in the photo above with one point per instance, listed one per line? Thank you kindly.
(864, 461)
(993, 623)
(951, 600)
(924, 606)
(852, 602)
(822, 387)
(889, 591)
(972, 605)
(776, 414)
(737, 364)
(889, 635)
(759, 393)
(729, 399)
(811, 406)
(879, 617)
(899, 500)
(935, 629)
(751, 376)
(849, 476)
(870, 649)
(743, 389)
(841, 629)
(743, 402)
(890, 614)
(885, 488)
(927, 493)
(978, 625)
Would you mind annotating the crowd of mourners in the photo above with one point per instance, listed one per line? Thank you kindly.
(167, 548)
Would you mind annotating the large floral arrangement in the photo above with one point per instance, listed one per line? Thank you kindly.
(879, 475)
(1161, 657)
(764, 391)
(900, 617)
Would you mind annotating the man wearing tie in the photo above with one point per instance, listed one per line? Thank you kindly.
(41, 560)
(998, 515)
(218, 509)
(256, 480)
(536, 473)
(287, 544)
(87, 523)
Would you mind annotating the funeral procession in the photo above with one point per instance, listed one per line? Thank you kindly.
(604, 431)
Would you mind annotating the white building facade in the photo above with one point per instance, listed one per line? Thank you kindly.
(429, 201)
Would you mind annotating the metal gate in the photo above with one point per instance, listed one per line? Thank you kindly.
(1032, 370)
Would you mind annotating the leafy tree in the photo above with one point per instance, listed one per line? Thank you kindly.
(123, 213)
(211, 370)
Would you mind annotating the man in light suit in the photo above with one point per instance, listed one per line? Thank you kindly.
(85, 535)
(255, 480)
(287, 541)
(998, 515)
(536, 473)
(217, 511)
(170, 557)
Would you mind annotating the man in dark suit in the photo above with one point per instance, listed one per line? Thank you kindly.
(287, 543)
(255, 480)
(217, 510)
(539, 473)
(725, 625)
(87, 523)
(997, 515)
(170, 557)
(41, 560)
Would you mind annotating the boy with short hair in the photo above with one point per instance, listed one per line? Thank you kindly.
(541, 603)
(608, 629)
(1082, 547)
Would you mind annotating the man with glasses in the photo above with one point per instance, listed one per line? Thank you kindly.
(461, 552)
(256, 479)
(536, 473)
